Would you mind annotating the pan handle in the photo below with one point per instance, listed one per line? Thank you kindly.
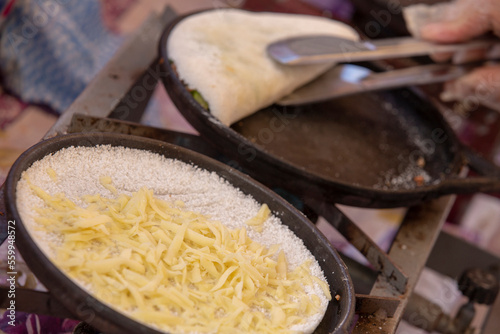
(479, 184)
(479, 164)
(488, 180)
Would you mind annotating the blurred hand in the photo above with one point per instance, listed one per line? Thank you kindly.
(458, 21)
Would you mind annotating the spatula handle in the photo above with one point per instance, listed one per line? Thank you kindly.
(317, 49)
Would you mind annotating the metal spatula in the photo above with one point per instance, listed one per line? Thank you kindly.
(347, 79)
(324, 49)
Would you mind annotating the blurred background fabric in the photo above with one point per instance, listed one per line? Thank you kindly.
(50, 50)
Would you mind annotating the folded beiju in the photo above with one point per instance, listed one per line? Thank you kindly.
(221, 54)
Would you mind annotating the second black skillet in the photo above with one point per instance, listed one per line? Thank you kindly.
(384, 149)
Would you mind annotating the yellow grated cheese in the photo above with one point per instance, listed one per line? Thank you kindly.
(52, 174)
(258, 221)
(107, 183)
(176, 269)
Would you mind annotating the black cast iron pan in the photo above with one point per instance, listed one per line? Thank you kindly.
(368, 150)
(84, 306)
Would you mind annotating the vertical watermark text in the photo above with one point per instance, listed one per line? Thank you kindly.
(12, 273)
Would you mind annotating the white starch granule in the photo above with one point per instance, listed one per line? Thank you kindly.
(79, 169)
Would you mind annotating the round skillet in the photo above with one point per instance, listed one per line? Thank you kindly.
(368, 150)
(338, 316)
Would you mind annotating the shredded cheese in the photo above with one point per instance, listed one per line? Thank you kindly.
(52, 174)
(107, 183)
(176, 269)
(258, 221)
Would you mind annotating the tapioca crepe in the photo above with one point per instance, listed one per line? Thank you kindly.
(169, 244)
(221, 55)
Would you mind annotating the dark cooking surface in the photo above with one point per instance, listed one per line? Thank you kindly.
(363, 139)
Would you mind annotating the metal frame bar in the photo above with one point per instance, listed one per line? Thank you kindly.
(415, 239)
(362, 242)
(397, 276)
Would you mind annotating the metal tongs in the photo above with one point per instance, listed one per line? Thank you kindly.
(348, 79)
